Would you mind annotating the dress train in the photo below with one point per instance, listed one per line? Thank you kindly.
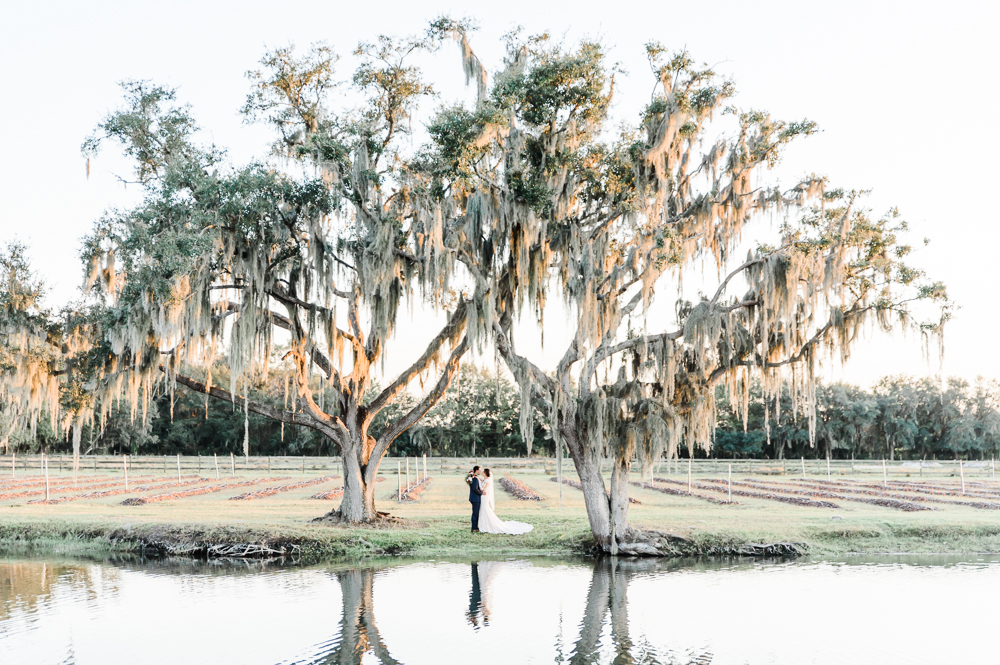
(490, 523)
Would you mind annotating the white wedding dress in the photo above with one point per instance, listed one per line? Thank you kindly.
(488, 520)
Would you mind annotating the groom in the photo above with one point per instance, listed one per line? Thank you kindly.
(475, 496)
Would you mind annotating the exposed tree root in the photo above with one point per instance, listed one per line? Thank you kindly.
(224, 550)
(658, 543)
(761, 549)
(381, 520)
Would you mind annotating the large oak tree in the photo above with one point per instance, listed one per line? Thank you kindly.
(321, 242)
(556, 200)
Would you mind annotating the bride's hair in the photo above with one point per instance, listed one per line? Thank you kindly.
(486, 472)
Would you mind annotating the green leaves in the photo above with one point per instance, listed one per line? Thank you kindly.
(155, 133)
(290, 92)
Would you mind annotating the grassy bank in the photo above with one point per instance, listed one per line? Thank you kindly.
(437, 525)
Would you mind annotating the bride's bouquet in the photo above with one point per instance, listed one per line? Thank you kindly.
(469, 476)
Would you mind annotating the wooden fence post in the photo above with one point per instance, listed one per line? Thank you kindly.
(803, 468)
(730, 483)
(45, 462)
(885, 477)
(125, 466)
(399, 483)
(961, 472)
(13, 463)
(828, 468)
(232, 463)
(993, 469)
(425, 466)
(178, 467)
(689, 475)
(407, 473)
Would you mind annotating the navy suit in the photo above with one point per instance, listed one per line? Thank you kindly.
(475, 498)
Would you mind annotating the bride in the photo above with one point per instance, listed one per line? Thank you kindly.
(488, 520)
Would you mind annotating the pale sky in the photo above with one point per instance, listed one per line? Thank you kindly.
(905, 94)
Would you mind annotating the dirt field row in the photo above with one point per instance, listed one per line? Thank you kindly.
(841, 515)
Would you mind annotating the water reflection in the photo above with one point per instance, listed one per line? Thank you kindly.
(528, 610)
(26, 585)
(606, 606)
(358, 633)
(477, 612)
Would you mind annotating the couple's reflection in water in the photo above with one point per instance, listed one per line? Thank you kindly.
(479, 598)
(604, 615)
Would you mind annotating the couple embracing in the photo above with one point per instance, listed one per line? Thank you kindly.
(482, 498)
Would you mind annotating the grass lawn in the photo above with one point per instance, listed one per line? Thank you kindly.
(438, 522)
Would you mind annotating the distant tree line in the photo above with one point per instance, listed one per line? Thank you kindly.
(899, 418)
(478, 415)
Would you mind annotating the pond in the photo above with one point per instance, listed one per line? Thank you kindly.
(516, 610)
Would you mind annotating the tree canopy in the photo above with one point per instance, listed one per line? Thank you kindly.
(532, 189)
(553, 198)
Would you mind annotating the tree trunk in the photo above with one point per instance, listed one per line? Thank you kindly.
(595, 495)
(618, 501)
(354, 444)
(587, 647)
(358, 633)
(619, 615)
(608, 512)
(358, 504)
(608, 593)
(77, 435)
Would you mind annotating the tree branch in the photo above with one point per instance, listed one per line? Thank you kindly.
(288, 299)
(759, 259)
(317, 356)
(407, 255)
(425, 405)
(512, 360)
(278, 415)
(456, 323)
